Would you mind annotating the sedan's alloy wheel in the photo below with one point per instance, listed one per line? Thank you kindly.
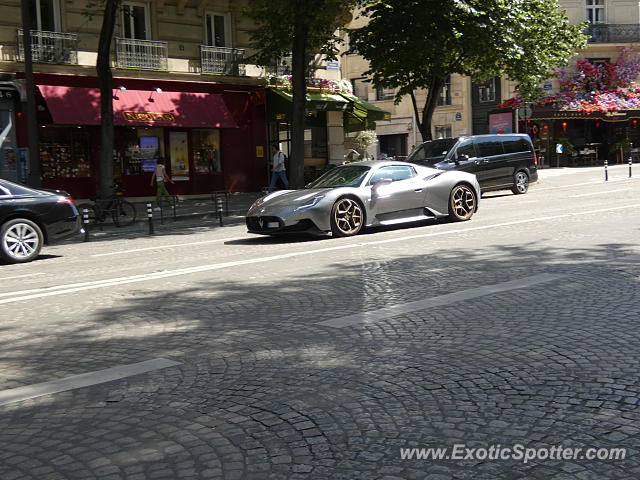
(21, 241)
(463, 202)
(348, 216)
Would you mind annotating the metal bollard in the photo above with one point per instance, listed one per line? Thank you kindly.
(219, 204)
(150, 217)
(630, 164)
(606, 171)
(85, 223)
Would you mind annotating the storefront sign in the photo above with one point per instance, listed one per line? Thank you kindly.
(501, 123)
(179, 151)
(333, 66)
(148, 117)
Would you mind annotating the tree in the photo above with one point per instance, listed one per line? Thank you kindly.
(298, 27)
(416, 44)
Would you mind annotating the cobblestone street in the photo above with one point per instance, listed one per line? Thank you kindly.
(321, 358)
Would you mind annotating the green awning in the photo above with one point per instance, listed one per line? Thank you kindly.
(362, 115)
(316, 100)
(363, 109)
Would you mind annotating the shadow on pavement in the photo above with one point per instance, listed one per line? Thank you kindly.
(262, 383)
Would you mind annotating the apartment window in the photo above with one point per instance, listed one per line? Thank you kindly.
(595, 11)
(360, 88)
(45, 15)
(135, 21)
(218, 30)
(598, 61)
(385, 93)
(445, 93)
(487, 91)
(442, 131)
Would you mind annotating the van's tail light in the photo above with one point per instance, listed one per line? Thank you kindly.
(535, 159)
(68, 200)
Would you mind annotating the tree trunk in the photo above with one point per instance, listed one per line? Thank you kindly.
(299, 69)
(103, 68)
(424, 123)
(35, 177)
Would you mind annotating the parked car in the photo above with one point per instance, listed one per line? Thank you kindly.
(505, 161)
(350, 197)
(31, 218)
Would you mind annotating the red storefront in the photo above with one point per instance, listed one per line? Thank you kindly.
(211, 135)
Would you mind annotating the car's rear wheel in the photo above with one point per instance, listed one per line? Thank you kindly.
(347, 217)
(520, 183)
(20, 240)
(462, 203)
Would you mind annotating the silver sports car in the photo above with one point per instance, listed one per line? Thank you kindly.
(350, 197)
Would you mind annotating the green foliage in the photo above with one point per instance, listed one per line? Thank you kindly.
(364, 138)
(276, 22)
(411, 44)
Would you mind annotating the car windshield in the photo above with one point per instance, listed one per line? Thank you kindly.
(347, 176)
(432, 152)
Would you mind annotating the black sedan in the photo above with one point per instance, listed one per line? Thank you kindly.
(30, 218)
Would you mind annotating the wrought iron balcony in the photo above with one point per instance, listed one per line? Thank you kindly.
(141, 54)
(222, 60)
(50, 47)
(613, 33)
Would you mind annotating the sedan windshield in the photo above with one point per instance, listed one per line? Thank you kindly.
(432, 152)
(347, 176)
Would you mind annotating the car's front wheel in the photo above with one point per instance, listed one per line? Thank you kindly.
(521, 183)
(20, 240)
(347, 217)
(462, 203)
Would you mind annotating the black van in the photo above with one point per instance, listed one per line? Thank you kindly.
(498, 161)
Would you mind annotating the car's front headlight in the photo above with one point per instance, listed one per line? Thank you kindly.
(310, 203)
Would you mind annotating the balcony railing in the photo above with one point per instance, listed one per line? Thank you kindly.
(50, 47)
(222, 60)
(613, 33)
(141, 54)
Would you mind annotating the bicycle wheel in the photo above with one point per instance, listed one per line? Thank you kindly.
(91, 211)
(124, 214)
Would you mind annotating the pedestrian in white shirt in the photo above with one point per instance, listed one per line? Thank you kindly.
(278, 169)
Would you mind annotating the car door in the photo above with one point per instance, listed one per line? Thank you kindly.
(464, 157)
(400, 193)
(491, 161)
(5, 202)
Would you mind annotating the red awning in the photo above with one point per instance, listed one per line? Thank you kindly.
(81, 106)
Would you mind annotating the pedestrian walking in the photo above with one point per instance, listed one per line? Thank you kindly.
(160, 177)
(278, 169)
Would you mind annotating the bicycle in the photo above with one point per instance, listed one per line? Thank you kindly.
(123, 213)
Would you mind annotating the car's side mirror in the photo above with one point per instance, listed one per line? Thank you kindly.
(381, 182)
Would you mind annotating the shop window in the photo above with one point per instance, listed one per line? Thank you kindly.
(135, 21)
(442, 131)
(218, 30)
(45, 15)
(360, 88)
(139, 151)
(598, 61)
(445, 94)
(64, 152)
(595, 11)
(206, 151)
(487, 91)
(385, 93)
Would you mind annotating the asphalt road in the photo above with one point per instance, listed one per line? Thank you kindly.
(321, 358)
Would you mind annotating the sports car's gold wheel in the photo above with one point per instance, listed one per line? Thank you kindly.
(462, 203)
(347, 217)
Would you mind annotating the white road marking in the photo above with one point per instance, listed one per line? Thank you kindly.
(18, 296)
(534, 189)
(441, 300)
(175, 245)
(23, 276)
(599, 193)
(27, 392)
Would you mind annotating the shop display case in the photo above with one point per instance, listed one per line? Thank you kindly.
(64, 152)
